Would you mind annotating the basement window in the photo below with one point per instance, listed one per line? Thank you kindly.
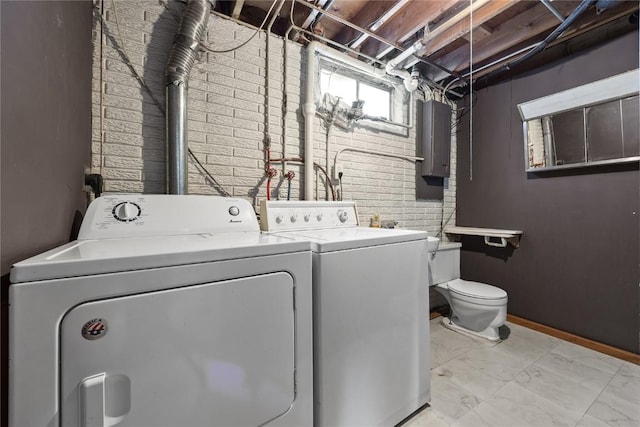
(352, 98)
(377, 100)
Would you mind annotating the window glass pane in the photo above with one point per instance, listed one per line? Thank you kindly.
(377, 102)
(604, 131)
(631, 126)
(568, 136)
(338, 85)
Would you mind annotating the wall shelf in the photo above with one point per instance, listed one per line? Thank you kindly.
(492, 236)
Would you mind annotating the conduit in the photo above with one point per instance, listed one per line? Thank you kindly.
(377, 153)
(181, 59)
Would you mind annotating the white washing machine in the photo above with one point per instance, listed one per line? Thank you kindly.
(167, 311)
(371, 313)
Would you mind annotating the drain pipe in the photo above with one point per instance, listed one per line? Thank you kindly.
(181, 59)
(411, 81)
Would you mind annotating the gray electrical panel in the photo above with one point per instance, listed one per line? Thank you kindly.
(435, 138)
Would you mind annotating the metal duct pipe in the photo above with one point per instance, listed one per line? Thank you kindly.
(181, 59)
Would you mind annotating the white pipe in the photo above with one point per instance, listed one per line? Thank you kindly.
(410, 82)
(309, 111)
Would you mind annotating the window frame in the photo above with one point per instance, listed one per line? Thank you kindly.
(400, 100)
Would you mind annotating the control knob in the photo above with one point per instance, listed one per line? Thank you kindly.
(279, 219)
(343, 216)
(307, 217)
(294, 218)
(319, 217)
(126, 211)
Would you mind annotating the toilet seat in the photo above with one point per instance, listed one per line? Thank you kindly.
(475, 292)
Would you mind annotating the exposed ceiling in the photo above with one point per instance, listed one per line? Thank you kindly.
(454, 35)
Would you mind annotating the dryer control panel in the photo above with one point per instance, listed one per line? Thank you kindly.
(283, 215)
(142, 215)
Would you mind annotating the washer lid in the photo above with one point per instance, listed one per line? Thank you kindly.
(476, 289)
(337, 239)
(90, 257)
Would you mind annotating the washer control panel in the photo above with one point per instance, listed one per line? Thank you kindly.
(280, 215)
(143, 215)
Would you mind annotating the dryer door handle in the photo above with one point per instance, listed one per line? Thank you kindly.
(104, 399)
(92, 401)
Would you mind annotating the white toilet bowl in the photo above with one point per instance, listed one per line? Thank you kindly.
(476, 308)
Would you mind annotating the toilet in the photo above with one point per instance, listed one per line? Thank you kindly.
(477, 309)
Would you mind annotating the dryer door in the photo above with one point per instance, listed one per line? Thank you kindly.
(215, 354)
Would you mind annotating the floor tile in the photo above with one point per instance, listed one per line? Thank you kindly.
(586, 375)
(563, 390)
(527, 344)
(588, 357)
(426, 418)
(482, 370)
(615, 411)
(589, 421)
(447, 344)
(626, 383)
(449, 400)
(515, 406)
(528, 379)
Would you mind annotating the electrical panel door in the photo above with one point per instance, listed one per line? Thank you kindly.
(435, 138)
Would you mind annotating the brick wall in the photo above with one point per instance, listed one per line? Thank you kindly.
(226, 110)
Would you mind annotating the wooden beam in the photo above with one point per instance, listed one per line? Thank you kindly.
(597, 31)
(493, 47)
(237, 8)
(480, 32)
(521, 28)
(366, 17)
(455, 30)
(410, 20)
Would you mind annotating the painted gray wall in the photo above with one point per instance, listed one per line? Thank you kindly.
(46, 122)
(45, 132)
(577, 265)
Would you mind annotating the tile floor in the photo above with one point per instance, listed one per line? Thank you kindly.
(529, 379)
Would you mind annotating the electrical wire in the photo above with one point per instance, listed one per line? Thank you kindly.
(465, 110)
(264, 21)
(220, 188)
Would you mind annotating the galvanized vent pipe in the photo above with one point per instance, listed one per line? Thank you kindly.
(181, 59)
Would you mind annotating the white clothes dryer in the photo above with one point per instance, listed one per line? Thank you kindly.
(167, 311)
(371, 313)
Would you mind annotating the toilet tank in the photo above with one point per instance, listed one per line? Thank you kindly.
(444, 263)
